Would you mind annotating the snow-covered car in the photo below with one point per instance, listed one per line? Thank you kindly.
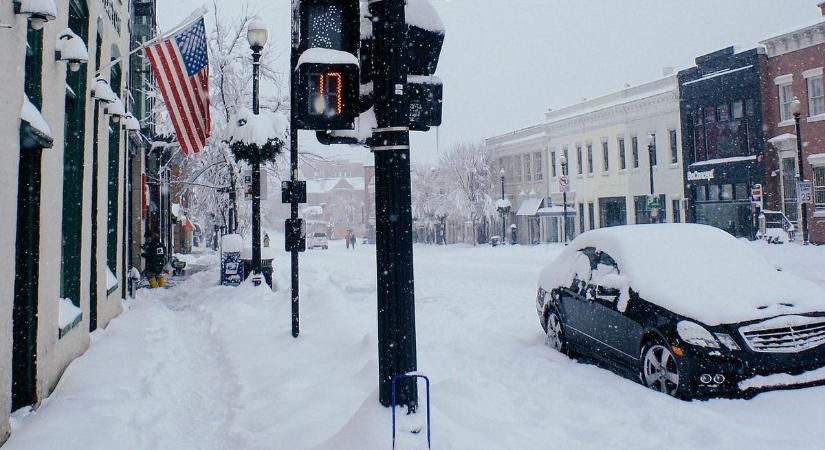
(318, 240)
(686, 309)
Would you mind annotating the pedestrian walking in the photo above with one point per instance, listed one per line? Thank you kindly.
(155, 256)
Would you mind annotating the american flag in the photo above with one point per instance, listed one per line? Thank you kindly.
(180, 64)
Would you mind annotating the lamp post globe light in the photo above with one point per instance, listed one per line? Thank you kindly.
(257, 36)
(796, 111)
(651, 149)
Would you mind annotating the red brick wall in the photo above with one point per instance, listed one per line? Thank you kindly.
(813, 133)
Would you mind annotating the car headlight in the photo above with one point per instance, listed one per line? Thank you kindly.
(695, 334)
(727, 341)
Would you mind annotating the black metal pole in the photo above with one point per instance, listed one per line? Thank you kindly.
(650, 151)
(503, 216)
(256, 176)
(801, 171)
(393, 205)
(293, 166)
(564, 200)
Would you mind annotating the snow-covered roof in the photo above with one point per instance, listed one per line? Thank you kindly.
(422, 14)
(732, 159)
(718, 74)
(31, 114)
(697, 271)
(326, 56)
(71, 47)
(257, 129)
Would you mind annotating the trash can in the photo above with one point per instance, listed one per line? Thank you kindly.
(232, 268)
(513, 234)
(494, 240)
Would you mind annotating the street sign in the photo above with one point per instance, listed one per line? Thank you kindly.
(756, 195)
(247, 181)
(564, 183)
(653, 202)
(805, 191)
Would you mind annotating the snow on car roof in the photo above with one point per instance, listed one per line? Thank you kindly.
(693, 270)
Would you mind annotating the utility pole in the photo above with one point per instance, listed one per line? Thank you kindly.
(391, 147)
(293, 221)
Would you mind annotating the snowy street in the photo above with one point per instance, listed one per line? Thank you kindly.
(207, 367)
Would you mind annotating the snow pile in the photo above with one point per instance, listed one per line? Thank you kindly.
(71, 47)
(259, 129)
(45, 8)
(364, 124)
(782, 379)
(111, 279)
(697, 271)
(67, 313)
(326, 56)
(31, 114)
(422, 14)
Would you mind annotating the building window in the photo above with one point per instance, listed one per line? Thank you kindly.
(738, 110)
(114, 179)
(674, 147)
(517, 167)
(700, 193)
(622, 155)
(654, 160)
(819, 189)
(724, 112)
(589, 158)
(539, 165)
(579, 159)
(741, 192)
(634, 147)
(591, 214)
(677, 212)
(713, 193)
(565, 169)
(785, 100)
(581, 217)
(605, 157)
(726, 192)
(816, 100)
(528, 171)
(553, 164)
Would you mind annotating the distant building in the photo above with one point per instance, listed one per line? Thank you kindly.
(794, 69)
(723, 138)
(339, 199)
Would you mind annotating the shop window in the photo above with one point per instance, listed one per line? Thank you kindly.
(713, 193)
(816, 99)
(579, 160)
(677, 211)
(738, 110)
(726, 192)
(622, 155)
(701, 193)
(742, 192)
(605, 157)
(785, 100)
(589, 158)
(819, 189)
(674, 147)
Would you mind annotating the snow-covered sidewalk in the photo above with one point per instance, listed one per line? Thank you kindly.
(200, 366)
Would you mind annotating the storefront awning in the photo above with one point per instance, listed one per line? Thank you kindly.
(556, 211)
(529, 207)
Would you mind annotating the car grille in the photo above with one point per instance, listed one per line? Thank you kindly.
(789, 339)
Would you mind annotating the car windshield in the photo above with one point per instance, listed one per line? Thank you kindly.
(320, 235)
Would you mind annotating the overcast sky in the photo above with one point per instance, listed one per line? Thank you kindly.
(505, 62)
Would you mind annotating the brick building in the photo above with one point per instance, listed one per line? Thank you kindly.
(795, 70)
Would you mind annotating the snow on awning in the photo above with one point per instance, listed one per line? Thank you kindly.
(326, 56)
(42, 8)
(555, 211)
(734, 159)
(102, 91)
(817, 160)
(529, 207)
(35, 131)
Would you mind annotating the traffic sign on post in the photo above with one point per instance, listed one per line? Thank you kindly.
(564, 183)
(805, 191)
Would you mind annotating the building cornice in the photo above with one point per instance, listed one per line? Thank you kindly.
(792, 41)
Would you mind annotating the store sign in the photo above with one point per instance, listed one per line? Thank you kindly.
(701, 176)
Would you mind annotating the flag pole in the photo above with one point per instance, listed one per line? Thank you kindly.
(192, 18)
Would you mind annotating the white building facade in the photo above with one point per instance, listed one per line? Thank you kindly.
(62, 189)
(606, 142)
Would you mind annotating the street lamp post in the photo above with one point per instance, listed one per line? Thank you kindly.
(257, 36)
(503, 172)
(651, 149)
(796, 110)
(563, 161)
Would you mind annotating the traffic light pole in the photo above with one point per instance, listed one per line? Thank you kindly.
(293, 164)
(393, 205)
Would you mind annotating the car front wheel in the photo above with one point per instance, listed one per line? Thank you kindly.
(555, 331)
(660, 370)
